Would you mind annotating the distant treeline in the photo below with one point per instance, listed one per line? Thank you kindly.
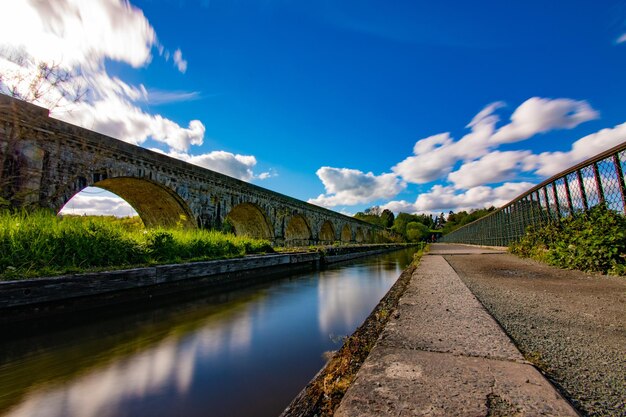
(418, 227)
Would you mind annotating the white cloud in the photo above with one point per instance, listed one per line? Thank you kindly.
(401, 206)
(233, 165)
(350, 186)
(78, 36)
(492, 168)
(547, 164)
(539, 115)
(442, 198)
(268, 174)
(622, 38)
(154, 96)
(95, 201)
(435, 156)
(121, 119)
(181, 64)
(75, 32)
(431, 143)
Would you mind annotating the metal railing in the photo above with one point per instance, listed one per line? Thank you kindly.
(596, 181)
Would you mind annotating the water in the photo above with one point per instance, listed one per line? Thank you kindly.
(242, 353)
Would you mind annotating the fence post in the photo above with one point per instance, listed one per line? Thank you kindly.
(596, 175)
(583, 193)
(569, 196)
(620, 179)
(545, 197)
(556, 200)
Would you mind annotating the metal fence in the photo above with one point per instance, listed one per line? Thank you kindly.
(596, 181)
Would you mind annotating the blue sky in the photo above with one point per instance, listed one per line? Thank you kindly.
(414, 106)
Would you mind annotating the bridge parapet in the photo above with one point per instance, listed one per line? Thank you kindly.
(45, 162)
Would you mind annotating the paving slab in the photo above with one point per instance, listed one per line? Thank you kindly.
(439, 313)
(442, 354)
(402, 382)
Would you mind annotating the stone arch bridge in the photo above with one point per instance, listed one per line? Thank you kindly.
(45, 162)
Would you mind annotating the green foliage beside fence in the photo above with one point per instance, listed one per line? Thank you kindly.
(591, 241)
(37, 244)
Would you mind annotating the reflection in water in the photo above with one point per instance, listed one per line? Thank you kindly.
(245, 353)
(169, 365)
(342, 299)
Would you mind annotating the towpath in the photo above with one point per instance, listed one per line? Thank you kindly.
(444, 354)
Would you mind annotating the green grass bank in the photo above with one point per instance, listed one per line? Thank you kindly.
(42, 244)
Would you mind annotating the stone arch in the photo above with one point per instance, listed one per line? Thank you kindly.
(249, 220)
(359, 237)
(327, 233)
(157, 205)
(297, 232)
(346, 233)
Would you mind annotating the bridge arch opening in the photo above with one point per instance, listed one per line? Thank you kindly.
(297, 232)
(327, 233)
(346, 234)
(248, 220)
(156, 205)
(359, 237)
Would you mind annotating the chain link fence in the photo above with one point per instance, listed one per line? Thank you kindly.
(596, 181)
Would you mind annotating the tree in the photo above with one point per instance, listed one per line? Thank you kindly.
(376, 215)
(387, 218)
(416, 231)
(50, 85)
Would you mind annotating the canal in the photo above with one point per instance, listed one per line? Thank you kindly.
(241, 353)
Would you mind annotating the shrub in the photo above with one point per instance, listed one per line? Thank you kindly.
(592, 241)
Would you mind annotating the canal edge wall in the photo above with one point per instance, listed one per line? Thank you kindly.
(49, 296)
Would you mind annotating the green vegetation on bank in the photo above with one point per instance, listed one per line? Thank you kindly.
(591, 241)
(40, 243)
(420, 227)
(460, 219)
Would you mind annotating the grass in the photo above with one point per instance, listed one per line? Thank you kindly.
(42, 244)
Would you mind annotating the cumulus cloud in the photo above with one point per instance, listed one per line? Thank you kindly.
(435, 156)
(181, 64)
(74, 32)
(444, 198)
(227, 163)
(76, 37)
(539, 115)
(121, 119)
(492, 168)
(550, 163)
(95, 201)
(350, 186)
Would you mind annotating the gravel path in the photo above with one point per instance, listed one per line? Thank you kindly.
(570, 324)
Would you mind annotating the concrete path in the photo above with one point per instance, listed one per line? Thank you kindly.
(442, 354)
